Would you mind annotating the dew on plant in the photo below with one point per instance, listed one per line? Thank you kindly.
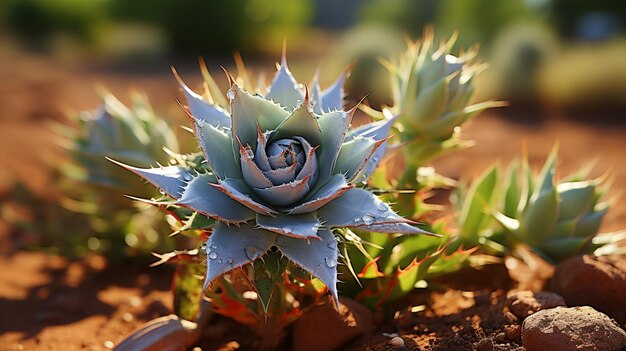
(368, 219)
(230, 94)
(252, 252)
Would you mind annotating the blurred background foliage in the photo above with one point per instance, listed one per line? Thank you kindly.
(553, 52)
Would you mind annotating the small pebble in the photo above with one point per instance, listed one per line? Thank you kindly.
(127, 317)
(396, 342)
(109, 344)
(134, 301)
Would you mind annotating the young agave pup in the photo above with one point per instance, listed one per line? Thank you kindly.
(557, 219)
(283, 173)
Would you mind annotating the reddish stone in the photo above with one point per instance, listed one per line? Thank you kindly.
(524, 303)
(599, 282)
(326, 328)
(572, 329)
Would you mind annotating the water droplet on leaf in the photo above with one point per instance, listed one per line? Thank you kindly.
(212, 255)
(331, 262)
(287, 230)
(230, 94)
(368, 219)
(381, 206)
(252, 252)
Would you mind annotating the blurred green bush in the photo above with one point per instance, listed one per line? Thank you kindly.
(36, 20)
(586, 77)
(196, 26)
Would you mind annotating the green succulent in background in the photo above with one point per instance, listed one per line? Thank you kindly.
(282, 173)
(389, 267)
(476, 224)
(134, 135)
(556, 219)
(432, 99)
(93, 187)
(432, 91)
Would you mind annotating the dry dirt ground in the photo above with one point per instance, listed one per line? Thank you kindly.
(49, 303)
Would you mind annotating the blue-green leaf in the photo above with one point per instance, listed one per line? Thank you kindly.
(332, 97)
(268, 276)
(284, 89)
(216, 146)
(397, 227)
(202, 197)
(558, 249)
(201, 110)
(334, 127)
(285, 194)
(576, 198)
(318, 257)
(302, 226)
(283, 175)
(540, 216)
(589, 224)
(248, 113)
(333, 188)
(300, 123)
(171, 179)
(232, 247)
(546, 177)
(260, 155)
(310, 167)
(355, 154)
(239, 191)
(379, 131)
(359, 208)
(316, 95)
(480, 197)
(251, 172)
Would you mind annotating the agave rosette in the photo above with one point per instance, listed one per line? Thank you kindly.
(557, 219)
(133, 134)
(282, 173)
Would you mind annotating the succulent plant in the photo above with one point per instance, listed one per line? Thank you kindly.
(431, 90)
(282, 170)
(134, 135)
(91, 187)
(557, 219)
(394, 266)
(476, 222)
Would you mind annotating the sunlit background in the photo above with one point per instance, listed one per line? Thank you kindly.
(554, 61)
(560, 64)
(563, 53)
